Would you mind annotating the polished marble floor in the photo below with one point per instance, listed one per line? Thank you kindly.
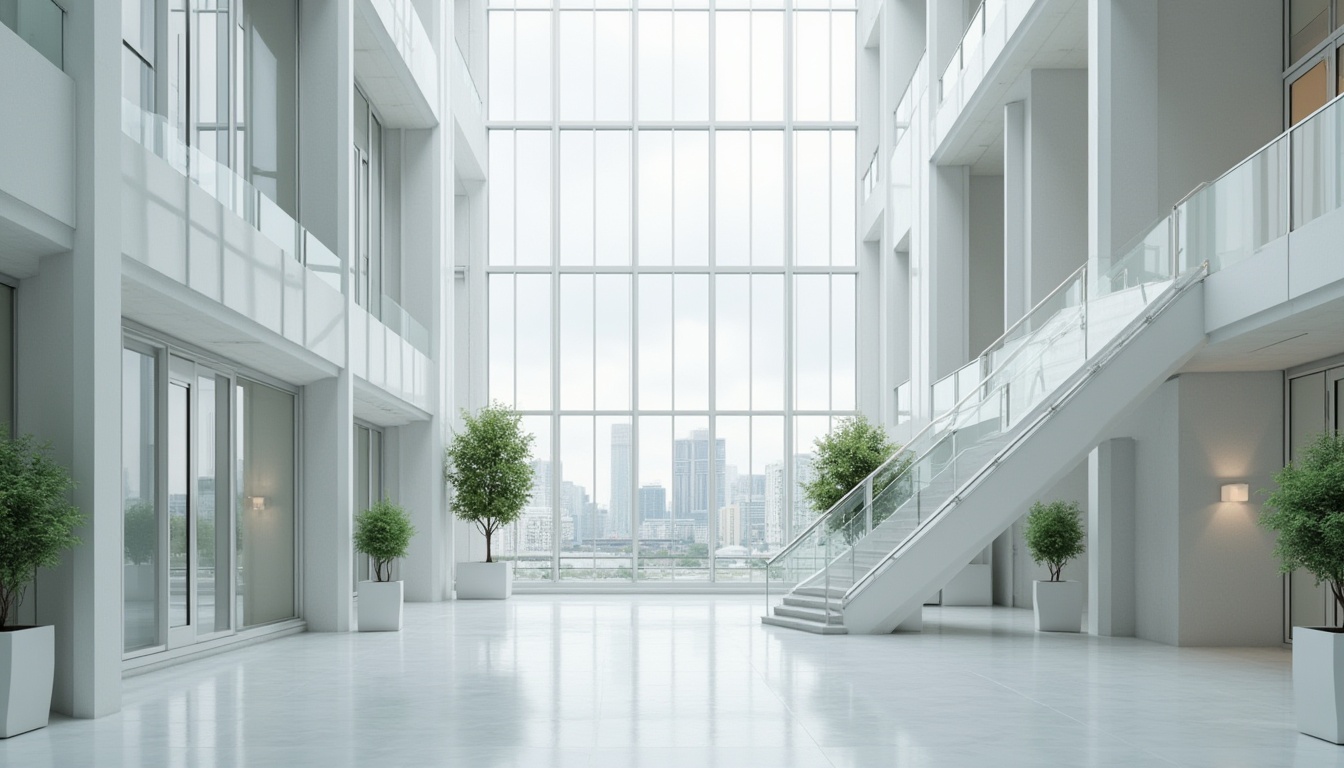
(542, 681)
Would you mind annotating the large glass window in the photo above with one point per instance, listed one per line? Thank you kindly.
(671, 275)
(231, 90)
(140, 492)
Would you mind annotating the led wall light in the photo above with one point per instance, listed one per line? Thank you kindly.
(1236, 492)
(259, 502)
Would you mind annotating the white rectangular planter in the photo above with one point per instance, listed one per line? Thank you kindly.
(484, 581)
(27, 663)
(380, 606)
(1059, 605)
(1318, 682)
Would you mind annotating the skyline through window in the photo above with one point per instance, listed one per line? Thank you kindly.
(671, 276)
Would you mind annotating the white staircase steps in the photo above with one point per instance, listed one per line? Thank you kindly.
(962, 498)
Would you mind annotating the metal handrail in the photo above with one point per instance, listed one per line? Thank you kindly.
(904, 449)
(1070, 388)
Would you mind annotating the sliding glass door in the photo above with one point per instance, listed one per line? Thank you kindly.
(209, 496)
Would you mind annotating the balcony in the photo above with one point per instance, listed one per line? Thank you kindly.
(37, 150)
(468, 119)
(1004, 39)
(395, 63)
(40, 24)
(199, 225)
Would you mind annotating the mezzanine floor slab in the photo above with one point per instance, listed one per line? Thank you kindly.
(694, 680)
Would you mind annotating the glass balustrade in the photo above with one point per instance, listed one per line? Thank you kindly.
(465, 76)
(40, 23)
(231, 190)
(985, 405)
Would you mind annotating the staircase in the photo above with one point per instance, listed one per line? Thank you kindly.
(1049, 390)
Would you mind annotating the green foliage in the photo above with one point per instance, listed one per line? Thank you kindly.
(141, 533)
(1307, 512)
(37, 521)
(850, 453)
(488, 464)
(383, 532)
(1055, 534)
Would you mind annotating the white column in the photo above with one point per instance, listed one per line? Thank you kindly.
(328, 502)
(1015, 299)
(1056, 177)
(1110, 538)
(326, 99)
(69, 376)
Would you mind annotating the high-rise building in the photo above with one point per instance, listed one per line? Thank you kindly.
(652, 502)
(621, 480)
(692, 460)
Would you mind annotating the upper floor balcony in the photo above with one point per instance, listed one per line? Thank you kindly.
(1003, 39)
(396, 64)
(37, 139)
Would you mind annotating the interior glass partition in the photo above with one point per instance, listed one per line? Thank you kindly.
(671, 275)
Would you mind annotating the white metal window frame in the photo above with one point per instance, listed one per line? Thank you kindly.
(788, 127)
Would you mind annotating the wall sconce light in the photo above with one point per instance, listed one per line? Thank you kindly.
(258, 503)
(1236, 492)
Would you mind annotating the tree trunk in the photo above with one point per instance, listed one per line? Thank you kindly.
(488, 558)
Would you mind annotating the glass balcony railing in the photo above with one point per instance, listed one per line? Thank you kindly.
(870, 177)
(154, 133)
(403, 324)
(41, 24)
(466, 77)
(970, 41)
(996, 399)
(905, 108)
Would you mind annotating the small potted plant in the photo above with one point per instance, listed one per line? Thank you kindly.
(37, 524)
(1306, 510)
(383, 532)
(1055, 536)
(488, 465)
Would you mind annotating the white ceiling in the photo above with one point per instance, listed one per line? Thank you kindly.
(1056, 39)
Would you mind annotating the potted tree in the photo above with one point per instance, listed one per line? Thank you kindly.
(1306, 510)
(37, 524)
(382, 532)
(1054, 537)
(843, 458)
(488, 465)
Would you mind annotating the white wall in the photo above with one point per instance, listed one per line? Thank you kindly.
(1204, 571)
(985, 268)
(1232, 430)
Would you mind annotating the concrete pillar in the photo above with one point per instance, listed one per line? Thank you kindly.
(1015, 301)
(1122, 145)
(947, 253)
(69, 376)
(328, 502)
(1056, 179)
(1111, 476)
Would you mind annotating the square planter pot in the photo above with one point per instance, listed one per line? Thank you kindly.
(484, 581)
(380, 606)
(27, 663)
(1059, 605)
(1318, 682)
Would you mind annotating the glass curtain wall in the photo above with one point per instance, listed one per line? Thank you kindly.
(671, 274)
